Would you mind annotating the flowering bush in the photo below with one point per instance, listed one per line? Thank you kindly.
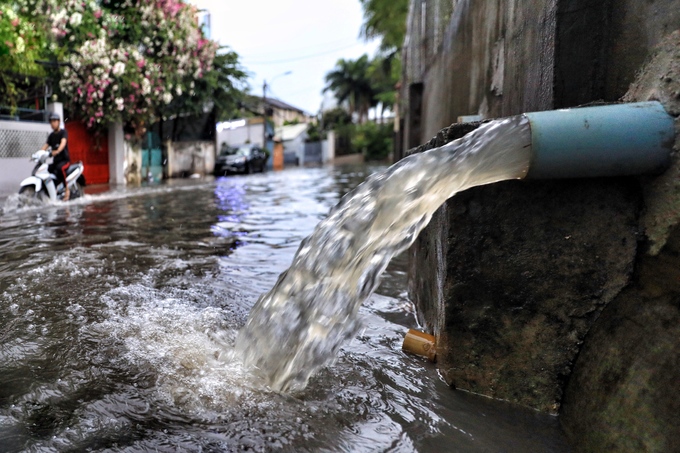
(108, 84)
(120, 60)
(149, 52)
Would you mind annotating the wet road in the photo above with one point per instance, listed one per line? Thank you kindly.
(118, 314)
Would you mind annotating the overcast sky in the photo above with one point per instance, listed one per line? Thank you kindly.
(306, 37)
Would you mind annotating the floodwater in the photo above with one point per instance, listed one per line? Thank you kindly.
(119, 312)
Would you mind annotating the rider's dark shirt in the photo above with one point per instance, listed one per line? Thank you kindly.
(54, 140)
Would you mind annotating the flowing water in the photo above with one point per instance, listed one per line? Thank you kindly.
(300, 324)
(119, 314)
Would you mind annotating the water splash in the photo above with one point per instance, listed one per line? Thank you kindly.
(301, 323)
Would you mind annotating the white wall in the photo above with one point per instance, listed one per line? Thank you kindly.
(18, 140)
(118, 165)
(328, 147)
(251, 133)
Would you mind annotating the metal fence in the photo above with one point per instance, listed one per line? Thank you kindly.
(312, 153)
(21, 114)
(21, 139)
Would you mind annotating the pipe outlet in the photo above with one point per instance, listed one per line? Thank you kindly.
(609, 140)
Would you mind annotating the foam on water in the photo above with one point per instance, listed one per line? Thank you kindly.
(300, 324)
(189, 348)
(15, 203)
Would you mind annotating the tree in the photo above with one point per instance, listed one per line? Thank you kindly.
(384, 74)
(333, 118)
(22, 42)
(385, 19)
(373, 140)
(221, 89)
(350, 83)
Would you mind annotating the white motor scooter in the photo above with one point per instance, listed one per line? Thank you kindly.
(42, 183)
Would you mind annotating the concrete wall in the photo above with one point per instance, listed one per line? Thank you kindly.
(495, 58)
(187, 158)
(527, 284)
(622, 393)
(503, 57)
(132, 166)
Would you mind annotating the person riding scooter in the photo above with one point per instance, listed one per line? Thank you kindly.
(57, 142)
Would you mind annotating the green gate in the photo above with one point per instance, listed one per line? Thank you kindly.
(152, 158)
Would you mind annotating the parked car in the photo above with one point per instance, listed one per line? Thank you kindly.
(241, 159)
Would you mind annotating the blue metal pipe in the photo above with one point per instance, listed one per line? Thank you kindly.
(609, 140)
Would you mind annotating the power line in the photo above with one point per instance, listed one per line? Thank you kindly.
(305, 49)
(301, 58)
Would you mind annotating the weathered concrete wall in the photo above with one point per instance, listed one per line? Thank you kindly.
(494, 58)
(636, 28)
(602, 44)
(510, 278)
(503, 57)
(515, 278)
(187, 158)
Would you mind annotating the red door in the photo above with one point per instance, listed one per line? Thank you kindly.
(92, 150)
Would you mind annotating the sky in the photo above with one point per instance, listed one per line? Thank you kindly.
(306, 37)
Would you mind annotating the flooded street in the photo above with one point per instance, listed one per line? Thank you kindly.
(119, 311)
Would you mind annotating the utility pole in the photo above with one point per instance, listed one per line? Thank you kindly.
(264, 107)
(264, 116)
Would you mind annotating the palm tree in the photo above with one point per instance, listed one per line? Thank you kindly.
(384, 74)
(385, 19)
(351, 83)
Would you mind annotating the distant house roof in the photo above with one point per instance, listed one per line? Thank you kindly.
(282, 105)
(285, 133)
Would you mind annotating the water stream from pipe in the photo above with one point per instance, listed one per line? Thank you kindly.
(300, 324)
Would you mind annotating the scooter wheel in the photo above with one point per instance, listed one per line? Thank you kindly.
(76, 191)
(29, 192)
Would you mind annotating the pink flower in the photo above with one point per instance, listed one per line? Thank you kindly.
(98, 13)
(141, 63)
(15, 23)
